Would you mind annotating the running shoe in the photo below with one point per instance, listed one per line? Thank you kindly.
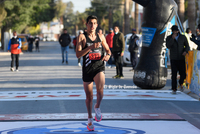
(12, 69)
(17, 70)
(98, 116)
(90, 127)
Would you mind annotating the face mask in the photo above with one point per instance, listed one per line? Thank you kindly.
(190, 34)
(116, 32)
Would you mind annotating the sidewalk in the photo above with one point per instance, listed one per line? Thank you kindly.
(3, 53)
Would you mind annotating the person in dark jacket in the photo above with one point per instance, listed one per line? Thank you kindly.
(133, 49)
(178, 46)
(30, 43)
(118, 52)
(64, 41)
(196, 39)
(37, 39)
(14, 46)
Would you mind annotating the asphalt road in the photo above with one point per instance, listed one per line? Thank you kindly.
(43, 71)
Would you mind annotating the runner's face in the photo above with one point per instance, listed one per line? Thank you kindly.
(92, 25)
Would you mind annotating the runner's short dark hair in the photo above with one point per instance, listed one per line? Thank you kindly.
(91, 17)
(65, 29)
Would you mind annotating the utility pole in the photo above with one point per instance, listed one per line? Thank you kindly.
(136, 16)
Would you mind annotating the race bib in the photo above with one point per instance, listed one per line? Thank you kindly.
(95, 55)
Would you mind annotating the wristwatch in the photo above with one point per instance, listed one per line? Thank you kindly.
(109, 54)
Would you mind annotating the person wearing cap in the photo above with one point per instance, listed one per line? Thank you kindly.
(118, 52)
(133, 48)
(178, 46)
(109, 40)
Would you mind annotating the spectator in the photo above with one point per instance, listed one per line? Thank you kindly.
(100, 31)
(64, 41)
(14, 46)
(178, 46)
(37, 39)
(134, 49)
(118, 52)
(30, 43)
(198, 32)
(188, 35)
(109, 40)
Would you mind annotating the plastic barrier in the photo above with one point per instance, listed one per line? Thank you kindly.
(159, 16)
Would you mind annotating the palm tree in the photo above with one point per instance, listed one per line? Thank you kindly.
(136, 17)
(126, 17)
(181, 9)
(191, 14)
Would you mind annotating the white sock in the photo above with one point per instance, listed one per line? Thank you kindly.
(90, 120)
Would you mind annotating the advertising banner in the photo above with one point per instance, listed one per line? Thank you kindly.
(195, 81)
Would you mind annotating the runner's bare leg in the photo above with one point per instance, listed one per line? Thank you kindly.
(88, 87)
(99, 80)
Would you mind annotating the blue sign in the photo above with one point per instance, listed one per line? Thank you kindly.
(147, 35)
(72, 128)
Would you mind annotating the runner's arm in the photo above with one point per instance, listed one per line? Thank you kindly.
(106, 47)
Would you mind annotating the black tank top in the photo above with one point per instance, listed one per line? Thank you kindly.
(92, 61)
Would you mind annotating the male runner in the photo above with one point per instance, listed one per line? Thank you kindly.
(90, 46)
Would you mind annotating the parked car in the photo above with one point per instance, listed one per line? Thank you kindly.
(24, 42)
(126, 57)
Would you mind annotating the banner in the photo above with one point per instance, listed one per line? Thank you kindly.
(195, 81)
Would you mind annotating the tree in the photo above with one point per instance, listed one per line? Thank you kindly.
(191, 14)
(20, 14)
(181, 9)
(3, 13)
(105, 10)
(136, 16)
(69, 18)
(60, 8)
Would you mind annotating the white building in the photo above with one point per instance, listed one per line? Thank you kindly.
(52, 32)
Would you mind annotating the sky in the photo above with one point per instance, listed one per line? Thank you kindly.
(81, 5)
